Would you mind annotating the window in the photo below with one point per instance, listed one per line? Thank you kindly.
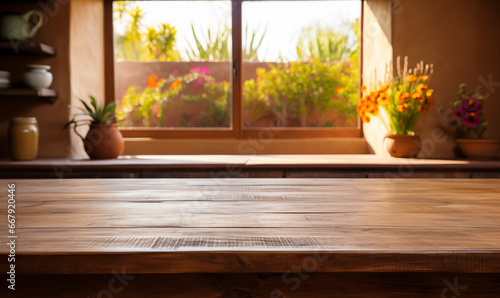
(235, 69)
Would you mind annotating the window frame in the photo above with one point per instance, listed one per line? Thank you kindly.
(237, 130)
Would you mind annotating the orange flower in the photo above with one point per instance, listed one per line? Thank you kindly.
(421, 87)
(383, 98)
(417, 96)
(383, 88)
(430, 98)
(403, 97)
(411, 78)
(401, 86)
(340, 89)
(152, 83)
(175, 84)
(424, 78)
(402, 108)
(363, 89)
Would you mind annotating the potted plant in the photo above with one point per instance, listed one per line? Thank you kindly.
(469, 120)
(405, 98)
(103, 139)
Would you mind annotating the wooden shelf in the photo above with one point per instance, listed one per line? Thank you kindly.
(48, 94)
(31, 48)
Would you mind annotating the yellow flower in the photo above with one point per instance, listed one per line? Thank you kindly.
(411, 78)
(397, 96)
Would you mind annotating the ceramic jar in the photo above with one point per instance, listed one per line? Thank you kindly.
(38, 76)
(23, 138)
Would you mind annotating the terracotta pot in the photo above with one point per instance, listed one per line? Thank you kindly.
(479, 148)
(402, 145)
(104, 141)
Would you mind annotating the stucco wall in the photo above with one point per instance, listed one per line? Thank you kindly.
(461, 38)
(87, 59)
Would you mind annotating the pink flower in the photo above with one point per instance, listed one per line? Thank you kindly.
(205, 70)
(471, 104)
(175, 72)
(471, 119)
(199, 69)
(156, 109)
(459, 113)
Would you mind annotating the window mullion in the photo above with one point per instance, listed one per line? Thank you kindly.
(237, 82)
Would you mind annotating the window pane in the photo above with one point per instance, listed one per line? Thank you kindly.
(172, 63)
(301, 64)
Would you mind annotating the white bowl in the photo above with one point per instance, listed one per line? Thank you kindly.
(38, 78)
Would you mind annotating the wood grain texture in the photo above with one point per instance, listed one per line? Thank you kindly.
(156, 226)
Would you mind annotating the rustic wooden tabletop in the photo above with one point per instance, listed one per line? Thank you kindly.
(89, 226)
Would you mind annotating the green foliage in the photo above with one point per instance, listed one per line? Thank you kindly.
(306, 91)
(99, 114)
(161, 43)
(250, 48)
(303, 92)
(215, 98)
(141, 43)
(327, 44)
(216, 49)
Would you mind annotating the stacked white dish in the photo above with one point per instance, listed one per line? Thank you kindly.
(4, 79)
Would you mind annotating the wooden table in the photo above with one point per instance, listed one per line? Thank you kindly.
(255, 238)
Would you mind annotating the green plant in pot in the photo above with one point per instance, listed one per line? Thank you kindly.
(468, 118)
(103, 140)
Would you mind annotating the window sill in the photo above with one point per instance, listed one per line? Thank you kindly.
(251, 166)
(252, 146)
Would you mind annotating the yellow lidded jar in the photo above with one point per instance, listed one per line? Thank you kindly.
(23, 138)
